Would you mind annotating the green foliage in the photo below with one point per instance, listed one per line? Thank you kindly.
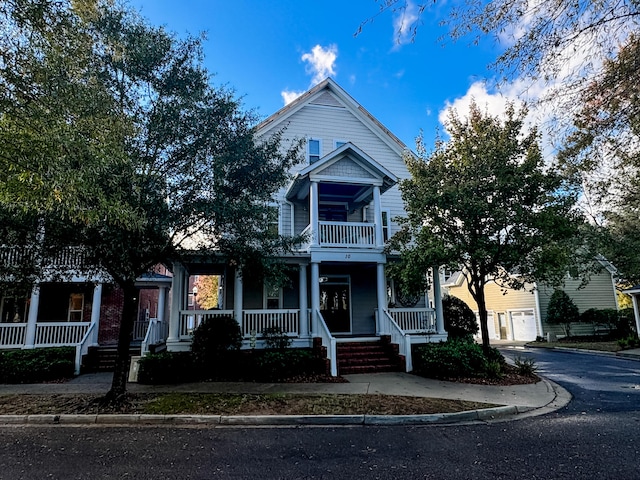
(525, 366)
(631, 341)
(212, 343)
(278, 365)
(562, 311)
(37, 365)
(494, 209)
(167, 368)
(275, 338)
(450, 359)
(459, 319)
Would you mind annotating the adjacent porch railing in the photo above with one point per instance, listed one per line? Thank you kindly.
(13, 335)
(347, 234)
(67, 257)
(256, 321)
(415, 320)
(388, 326)
(57, 334)
(157, 332)
(83, 347)
(328, 341)
(140, 329)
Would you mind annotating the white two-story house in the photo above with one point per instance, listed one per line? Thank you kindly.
(344, 197)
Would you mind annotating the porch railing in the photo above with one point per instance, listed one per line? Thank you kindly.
(67, 257)
(388, 326)
(257, 321)
(191, 319)
(54, 334)
(328, 341)
(13, 335)
(157, 332)
(414, 320)
(349, 234)
(82, 348)
(140, 329)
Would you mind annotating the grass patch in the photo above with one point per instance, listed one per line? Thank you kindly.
(236, 404)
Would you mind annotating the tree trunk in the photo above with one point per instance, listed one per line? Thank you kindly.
(129, 315)
(477, 292)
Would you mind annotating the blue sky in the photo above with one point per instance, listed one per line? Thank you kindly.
(263, 49)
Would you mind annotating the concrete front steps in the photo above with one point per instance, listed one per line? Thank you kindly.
(366, 356)
(103, 358)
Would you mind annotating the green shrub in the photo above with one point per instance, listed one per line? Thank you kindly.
(562, 311)
(37, 365)
(459, 319)
(277, 365)
(631, 341)
(525, 366)
(212, 344)
(449, 359)
(275, 338)
(167, 368)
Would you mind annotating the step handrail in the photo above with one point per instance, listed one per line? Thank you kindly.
(82, 348)
(328, 341)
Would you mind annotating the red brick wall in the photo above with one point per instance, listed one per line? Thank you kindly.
(110, 314)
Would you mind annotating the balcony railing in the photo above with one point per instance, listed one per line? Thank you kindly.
(67, 257)
(347, 234)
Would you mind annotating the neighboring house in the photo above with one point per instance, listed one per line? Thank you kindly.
(344, 198)
(521, 314)
(634, 293)
(75, 307)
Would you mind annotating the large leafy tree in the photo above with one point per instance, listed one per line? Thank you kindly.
(605, 149)
(484, 203)
(115, 139)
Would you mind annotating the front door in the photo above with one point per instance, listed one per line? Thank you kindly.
(335, 305)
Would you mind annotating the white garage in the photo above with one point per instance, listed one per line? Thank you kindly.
(523, 325)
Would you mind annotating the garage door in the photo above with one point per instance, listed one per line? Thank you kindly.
(523, 325)
(491, 326)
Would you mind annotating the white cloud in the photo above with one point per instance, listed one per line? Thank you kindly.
(403, 23)
(289, 96)
(321, 63)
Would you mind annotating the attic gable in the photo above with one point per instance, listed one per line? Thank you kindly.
(346, 167)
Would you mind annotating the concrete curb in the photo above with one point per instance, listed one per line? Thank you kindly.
(622, 354)
(483, 415)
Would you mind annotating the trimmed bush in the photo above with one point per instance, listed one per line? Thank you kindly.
(275, 338)
(459, 319)
(167, 368)
(214, 342)
(37, 365)
(450, 359)
(562, 311)
(278, 365)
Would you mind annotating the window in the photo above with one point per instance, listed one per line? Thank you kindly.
(274, 220)
(76, 307)
(13, 310)
(386, 225)
(338, 143)
(272, 297)
(313, 150)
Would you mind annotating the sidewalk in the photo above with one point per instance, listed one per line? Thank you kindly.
(518, 401)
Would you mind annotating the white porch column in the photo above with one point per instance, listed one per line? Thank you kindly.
(177, 301)
(162, 301)
(313, 213)
(32, 318)
(95, 312)
(636, 311)
(437, 301)
(381, 289)
(304, 317)
(377, 215)
(237, 297)
(315, 296)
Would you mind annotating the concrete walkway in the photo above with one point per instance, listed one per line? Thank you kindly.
(516, 401)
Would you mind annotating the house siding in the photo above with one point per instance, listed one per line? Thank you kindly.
(500, 300)
(598, 293)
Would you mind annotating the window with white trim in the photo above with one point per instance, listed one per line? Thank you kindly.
(76, 307)
(386, 225)
(338, 143)
(274, 219)
(272, 296)
(314, 149)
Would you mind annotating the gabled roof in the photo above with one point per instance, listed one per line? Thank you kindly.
(345, 99)
(374, 173)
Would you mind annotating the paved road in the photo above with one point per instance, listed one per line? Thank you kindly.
(596, 437)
